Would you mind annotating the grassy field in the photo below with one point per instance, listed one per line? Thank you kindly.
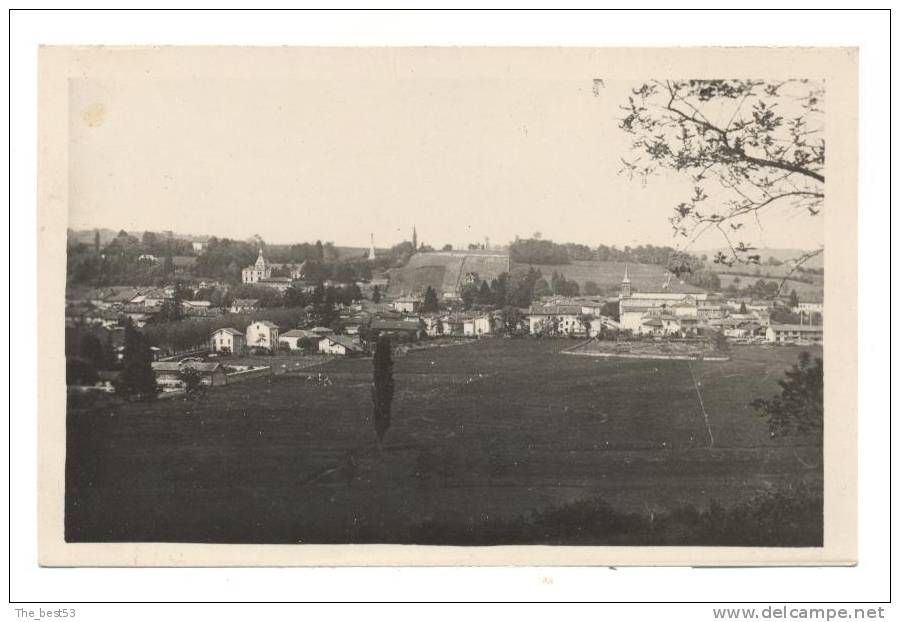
(480, 432)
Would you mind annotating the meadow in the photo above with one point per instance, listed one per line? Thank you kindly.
(481, 434)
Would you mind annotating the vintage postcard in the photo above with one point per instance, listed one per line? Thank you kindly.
(447, 306)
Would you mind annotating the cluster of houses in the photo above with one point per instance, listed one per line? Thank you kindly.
(665, 313)
(264, 336)
(106, 306)
(684, 314)
(659, 314)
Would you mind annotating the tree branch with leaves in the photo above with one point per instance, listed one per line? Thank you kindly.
(749, 146)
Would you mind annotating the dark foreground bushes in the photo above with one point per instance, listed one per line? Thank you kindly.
(790, 517)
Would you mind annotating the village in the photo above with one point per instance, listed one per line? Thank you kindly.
(231, 336)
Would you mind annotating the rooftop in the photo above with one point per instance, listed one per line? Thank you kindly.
(232, 331)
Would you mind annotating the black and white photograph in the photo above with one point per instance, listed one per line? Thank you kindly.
(446, 297)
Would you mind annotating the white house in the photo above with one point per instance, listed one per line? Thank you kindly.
(810, 307)
(262, 334)
(656, 322)
(478, 325)
(406, 304)
(555, 319)
(341, 345)
(227, 340)
(794, 333)
(434, 325)
(199, 247)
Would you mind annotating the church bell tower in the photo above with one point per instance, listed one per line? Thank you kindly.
(625, 289)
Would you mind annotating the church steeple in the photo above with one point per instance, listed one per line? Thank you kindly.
(371, 247)
(260, 261)
(625, 290)
(415, 240)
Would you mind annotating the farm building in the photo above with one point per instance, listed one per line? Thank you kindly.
(227, 340)
(657, 322)
(555, 319)
(168, 374)
(794, 333)
(244, 305)
(341, 345)
(262, 335)
(406, 304)
(478, 325)
(295, 339)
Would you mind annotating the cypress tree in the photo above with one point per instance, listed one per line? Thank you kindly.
(382, 386)
(430, 303)
(137, 378)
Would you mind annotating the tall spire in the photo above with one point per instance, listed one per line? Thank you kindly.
(415, 240)
(371, 247)
(625, 290)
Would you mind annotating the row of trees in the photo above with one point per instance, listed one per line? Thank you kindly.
(689, 268)
(517, 289)
(120, 261)
(760, 289)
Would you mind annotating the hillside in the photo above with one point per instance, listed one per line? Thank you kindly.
(443, 270)
(781, 254)
(810, 287)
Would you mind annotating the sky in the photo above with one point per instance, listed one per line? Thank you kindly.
(301, 156)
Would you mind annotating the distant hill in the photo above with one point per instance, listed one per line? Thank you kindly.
(443, 271)
(608, 276)
(781, 254)
(810, 287)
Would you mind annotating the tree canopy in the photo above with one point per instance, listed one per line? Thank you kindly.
(798, 409)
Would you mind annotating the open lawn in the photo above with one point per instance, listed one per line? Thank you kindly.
(486, 431)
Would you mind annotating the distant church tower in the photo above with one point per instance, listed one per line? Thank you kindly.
(625, 291)
(258, 271)
(371, 247)
(415, 240)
